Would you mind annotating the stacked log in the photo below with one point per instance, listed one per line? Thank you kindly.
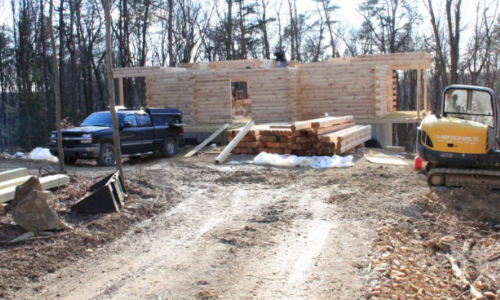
(325, 136)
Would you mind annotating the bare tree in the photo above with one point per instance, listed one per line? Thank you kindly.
(171, 62)
(327, 8)
(56, 91)
(278, 17)
(111, 93)
(479, 50)
(229, 32)
(437, 38)
(453, 17)
(389, 23)
(263, 22)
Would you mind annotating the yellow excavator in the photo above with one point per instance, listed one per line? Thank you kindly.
(460, 144)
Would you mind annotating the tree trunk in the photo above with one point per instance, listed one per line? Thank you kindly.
(292, 30)
(229, 39)
(453, 38)
(263, 26)
(243, 46)
(62, 54)
(72, 53)
(280, 34)
(56, 92)
(111, 90)
(171, 33)
(45, 62)
(439, 48)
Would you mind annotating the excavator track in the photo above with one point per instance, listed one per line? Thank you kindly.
(463, 177)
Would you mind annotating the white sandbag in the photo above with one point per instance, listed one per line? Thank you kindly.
(42, 154)
(316, 162)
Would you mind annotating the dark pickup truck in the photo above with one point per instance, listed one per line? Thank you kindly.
(141, 132)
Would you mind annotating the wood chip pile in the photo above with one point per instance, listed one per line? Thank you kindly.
(325, 136)
(451, 251)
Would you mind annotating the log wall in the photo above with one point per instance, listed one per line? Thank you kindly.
(360, 86)
(171, 91)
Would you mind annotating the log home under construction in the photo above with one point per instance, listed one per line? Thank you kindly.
(242, 90)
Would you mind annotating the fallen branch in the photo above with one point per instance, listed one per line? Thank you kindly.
(29, 237)
(460, 275)
(494, 256)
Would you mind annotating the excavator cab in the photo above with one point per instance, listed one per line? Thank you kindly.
(462, 136)
(469, 104)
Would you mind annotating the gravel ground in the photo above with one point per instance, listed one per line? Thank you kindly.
(243, 232)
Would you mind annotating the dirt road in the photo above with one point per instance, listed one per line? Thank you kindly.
(244, 232)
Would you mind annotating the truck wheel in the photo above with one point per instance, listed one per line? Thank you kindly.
(106, 155)
(170, 147)
(70, 161)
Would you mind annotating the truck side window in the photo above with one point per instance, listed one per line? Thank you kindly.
(131, 119)
(144, 120)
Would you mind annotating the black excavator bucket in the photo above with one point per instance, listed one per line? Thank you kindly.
(106, 196)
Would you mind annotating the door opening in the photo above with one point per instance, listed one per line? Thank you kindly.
(241, 103)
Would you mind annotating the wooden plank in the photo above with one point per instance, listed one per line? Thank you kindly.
(208, 140)
(329, 121)
(332, 137)
(225, 153)
(324, 130)
(12, 174)
(351, 139)
(48, 182)
(395, 148)
(13, 182)
(321, 122)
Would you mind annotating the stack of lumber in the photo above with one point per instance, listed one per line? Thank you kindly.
(325, 136)
(9, 180)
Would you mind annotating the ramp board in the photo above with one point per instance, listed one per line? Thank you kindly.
(205, 142)
(225, 153)
(385, 160)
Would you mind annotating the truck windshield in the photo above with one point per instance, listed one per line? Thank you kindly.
(102, 119)
(470, 105)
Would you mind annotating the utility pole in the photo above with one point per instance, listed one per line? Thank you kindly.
(57, 92)
(111, 90)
